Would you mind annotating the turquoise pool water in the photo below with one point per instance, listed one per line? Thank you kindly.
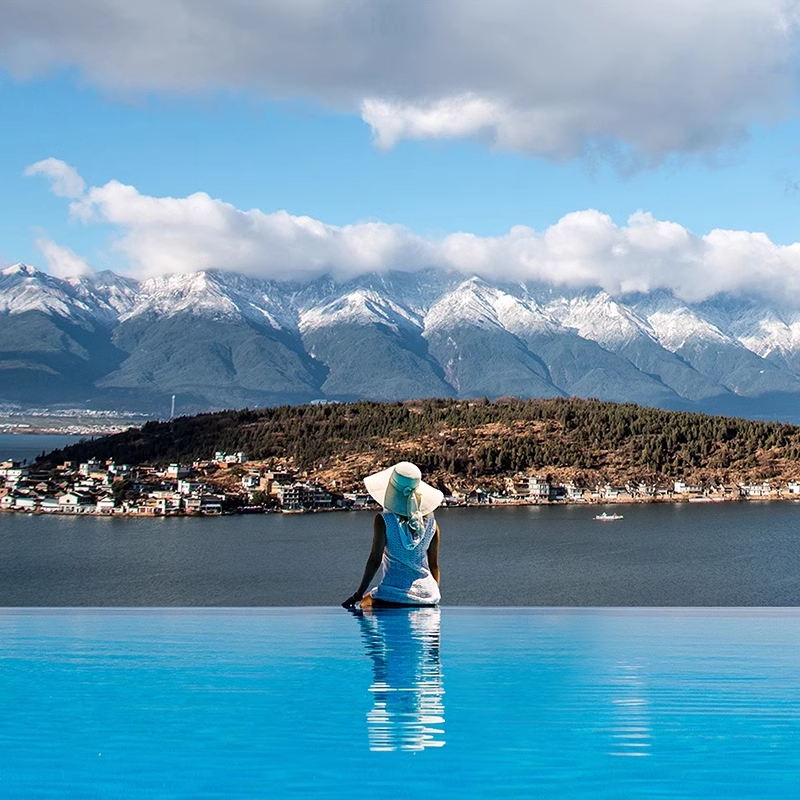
(435, 704)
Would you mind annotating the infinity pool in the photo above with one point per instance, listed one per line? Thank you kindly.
(424, 703)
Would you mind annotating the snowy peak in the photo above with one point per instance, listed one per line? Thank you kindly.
(773, 335)
(20, 270)
(471, 303)
(682, 326)
(600, 318)
(477, 303)
(24, 289)
(108, 295)
(196, 293)
(213, 295)
(360, 307)
(522, 317)
(766, 331)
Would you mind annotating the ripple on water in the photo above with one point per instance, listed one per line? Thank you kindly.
(291, 703)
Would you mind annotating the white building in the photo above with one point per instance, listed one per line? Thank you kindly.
(538, 488)
(301, 495)
(204, 504)
(27, 503)
(14, 473)
(190, 487)
(230, 458)
(756, 489)
(119, 470)
(360, 500)
(171, 500)
(93, 469)
(74, 501)
(106, 505)
(176, 471)
(575, 493)
(251, 481)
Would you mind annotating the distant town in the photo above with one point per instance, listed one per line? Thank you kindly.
(67, 421)
(228, 483)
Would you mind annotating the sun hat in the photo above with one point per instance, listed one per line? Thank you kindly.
(401, 490)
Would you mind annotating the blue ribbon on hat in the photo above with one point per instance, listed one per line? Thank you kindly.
(412, 528)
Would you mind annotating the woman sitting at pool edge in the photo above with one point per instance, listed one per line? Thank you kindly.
(405, 541)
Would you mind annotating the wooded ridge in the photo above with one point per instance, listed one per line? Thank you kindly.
(463, 443)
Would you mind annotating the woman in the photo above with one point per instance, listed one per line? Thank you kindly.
(405, 541)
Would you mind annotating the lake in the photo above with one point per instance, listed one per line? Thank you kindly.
(722, 554)
(476, 698)
(27, 446)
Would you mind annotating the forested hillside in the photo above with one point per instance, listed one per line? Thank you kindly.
(457, 441)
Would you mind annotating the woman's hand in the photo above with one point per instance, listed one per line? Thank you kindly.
(352, 600)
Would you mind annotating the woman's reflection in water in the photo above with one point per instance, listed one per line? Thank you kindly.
(407, 690)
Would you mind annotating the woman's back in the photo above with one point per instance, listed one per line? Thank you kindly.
(406, 573)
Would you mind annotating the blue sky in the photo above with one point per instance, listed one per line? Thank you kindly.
(303, 138)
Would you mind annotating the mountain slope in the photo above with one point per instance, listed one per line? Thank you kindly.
(218, 362)
(371, 347)
(218, 339)
(47, 359)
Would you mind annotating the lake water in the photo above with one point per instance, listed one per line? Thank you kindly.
(456, 702)
(722, 554)
(27, 446)
(450, 703)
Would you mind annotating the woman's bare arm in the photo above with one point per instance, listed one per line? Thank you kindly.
(433, 555)
(373, 562)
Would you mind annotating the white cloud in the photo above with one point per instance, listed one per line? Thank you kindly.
(535, 76)
(161, 235)
(64, 179)
(61, 261)
(448, 118)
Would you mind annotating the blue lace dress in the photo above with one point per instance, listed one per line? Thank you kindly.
(407, 577)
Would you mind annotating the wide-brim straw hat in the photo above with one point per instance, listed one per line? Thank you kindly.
(392, 487)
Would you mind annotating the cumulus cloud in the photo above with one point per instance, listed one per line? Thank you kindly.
(64, 179)
(534, 76)
(161, 235)
(61, 261)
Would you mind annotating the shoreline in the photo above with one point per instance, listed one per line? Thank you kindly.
(83, 431)
(72, 512)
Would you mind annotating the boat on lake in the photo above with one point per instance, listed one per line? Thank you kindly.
(605, 516)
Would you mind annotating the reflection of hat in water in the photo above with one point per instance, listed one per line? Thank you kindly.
(401, 490)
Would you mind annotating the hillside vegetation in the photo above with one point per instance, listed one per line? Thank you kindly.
(462, 443)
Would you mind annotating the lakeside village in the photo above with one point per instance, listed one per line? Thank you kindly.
(67, 421)
(228, 483)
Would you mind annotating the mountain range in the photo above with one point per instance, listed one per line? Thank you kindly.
(217, 339)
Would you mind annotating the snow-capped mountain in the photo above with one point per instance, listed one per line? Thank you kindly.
(213, 295)
(99, 297)
(217, 338)
(24, 289)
